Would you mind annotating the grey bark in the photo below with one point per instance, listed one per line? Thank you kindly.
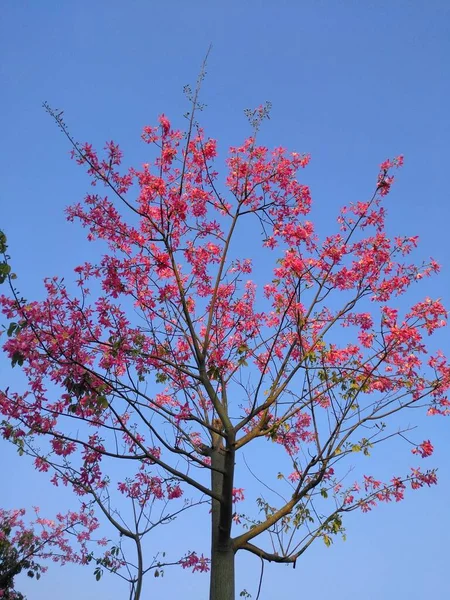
(222, 581)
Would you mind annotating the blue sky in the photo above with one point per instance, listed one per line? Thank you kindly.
(351, 83)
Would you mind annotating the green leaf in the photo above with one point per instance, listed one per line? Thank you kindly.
(336, 525)
(17, 359)
(5, 270)
(324, 493)
(103, 401)
(3, 246)
(11, 329)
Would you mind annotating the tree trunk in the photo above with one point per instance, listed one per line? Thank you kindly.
(222, 554)
(222, 574)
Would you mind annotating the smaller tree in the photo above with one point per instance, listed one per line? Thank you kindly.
(23, 547)
(15, 557)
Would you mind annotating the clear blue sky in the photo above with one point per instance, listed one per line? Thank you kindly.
(352, 82)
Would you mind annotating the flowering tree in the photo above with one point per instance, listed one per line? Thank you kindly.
(171, 360)
(23, 545)
(15, 555)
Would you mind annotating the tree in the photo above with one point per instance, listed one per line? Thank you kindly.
(14, 557)
(170, 358)
(22, 546)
